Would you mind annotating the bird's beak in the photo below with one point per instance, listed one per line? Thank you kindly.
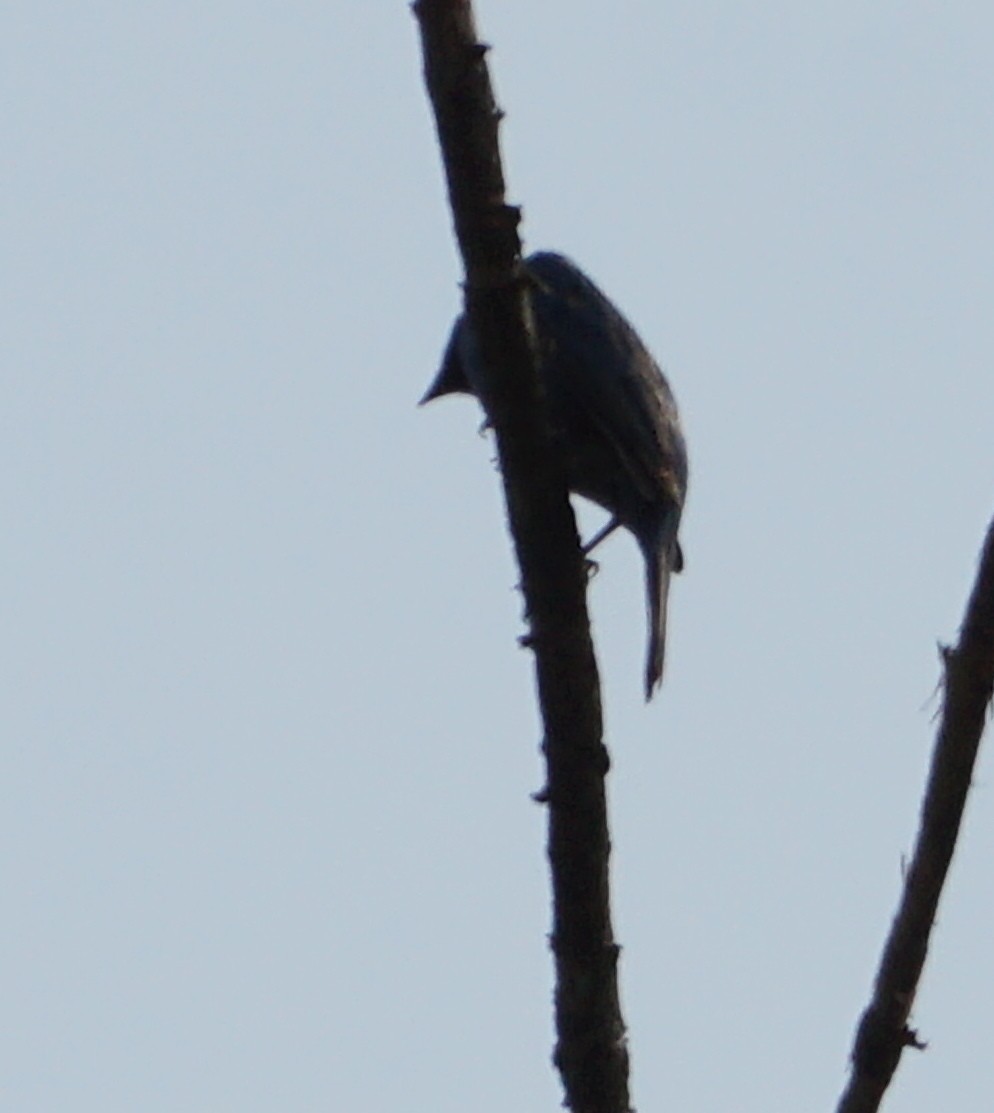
(451, 377)
(436, 390)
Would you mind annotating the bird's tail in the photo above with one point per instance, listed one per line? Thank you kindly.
(662, 558)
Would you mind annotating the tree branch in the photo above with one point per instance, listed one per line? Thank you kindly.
(883, 1031)
(591, 1053)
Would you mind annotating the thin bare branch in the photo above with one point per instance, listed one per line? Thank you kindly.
(883, 1031)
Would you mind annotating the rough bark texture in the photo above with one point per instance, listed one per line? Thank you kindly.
(883, 1031)
(591, 1053)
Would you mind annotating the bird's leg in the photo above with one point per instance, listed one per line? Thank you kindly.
(600, 536)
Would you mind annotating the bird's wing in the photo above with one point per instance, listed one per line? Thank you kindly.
(598, 366)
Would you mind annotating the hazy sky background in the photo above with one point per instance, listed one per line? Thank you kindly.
(268, 743)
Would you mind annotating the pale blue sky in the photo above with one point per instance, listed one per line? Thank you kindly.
(265, 831)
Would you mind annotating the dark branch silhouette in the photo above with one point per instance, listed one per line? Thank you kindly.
(883, 1031)
(591, 1053)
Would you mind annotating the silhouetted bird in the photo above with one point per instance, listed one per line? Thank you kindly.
(612, 413)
